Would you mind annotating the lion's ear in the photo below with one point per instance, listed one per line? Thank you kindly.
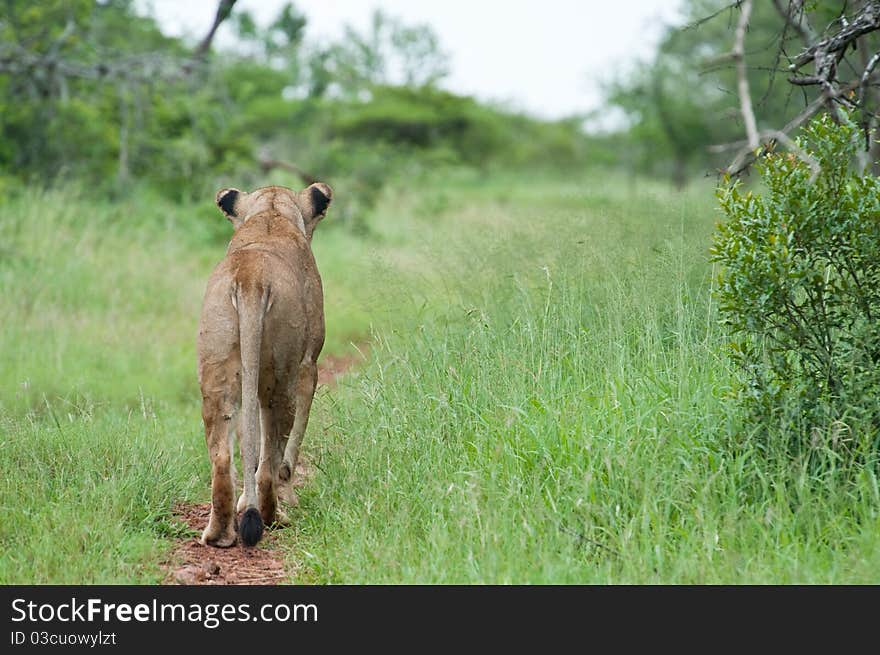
(314, 200)
(320, 195)
(226, 201)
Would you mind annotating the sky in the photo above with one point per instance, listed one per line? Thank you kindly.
(545, 57)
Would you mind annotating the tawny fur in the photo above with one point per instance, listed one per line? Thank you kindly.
(260, 334)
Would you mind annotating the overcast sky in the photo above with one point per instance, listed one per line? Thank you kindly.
(541, 56)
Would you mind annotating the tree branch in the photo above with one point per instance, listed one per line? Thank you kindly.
(738, 55)
(866, 74)
(224, 9)
(827, 53)
(267, 163)
(799, 152)
(794, 16)
(746, 154)
(697, 23)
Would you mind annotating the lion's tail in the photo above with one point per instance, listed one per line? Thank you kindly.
(251, 311)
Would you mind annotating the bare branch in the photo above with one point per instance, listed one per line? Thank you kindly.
(697, 23)
(796, 150)
(816, 105)
(726, 147)
(827, 53)
(867, 20)
(746, 154)
(794, 16)
(738, 54)
(866, 74)
(864, 97)
(840, 81)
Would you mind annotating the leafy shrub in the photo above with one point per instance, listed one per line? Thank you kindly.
(417, 120)
(800, 289)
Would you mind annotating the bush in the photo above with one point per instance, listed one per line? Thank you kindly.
(418, 120)
(800, 290)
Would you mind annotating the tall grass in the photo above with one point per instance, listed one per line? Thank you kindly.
(557, 414)
(99, 434)
(545, 400)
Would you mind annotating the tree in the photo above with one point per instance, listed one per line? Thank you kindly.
(669, 120)
(683, 101)
(756, 72)
(86, 86)
(389, 54)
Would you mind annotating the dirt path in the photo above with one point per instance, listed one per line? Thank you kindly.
(190, 563)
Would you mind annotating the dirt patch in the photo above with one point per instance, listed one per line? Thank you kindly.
(331, 367)
(194, 564)
(197, 564)
(191, 563)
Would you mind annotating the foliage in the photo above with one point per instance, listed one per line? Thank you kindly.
(425, 119)
(109, 103)
(355, 112)
(389, 54)
(800, 287)
(666, 105)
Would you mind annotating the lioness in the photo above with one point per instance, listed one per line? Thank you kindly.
(260, 333)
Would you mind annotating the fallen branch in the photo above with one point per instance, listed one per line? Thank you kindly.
(584, 539)
(268, 163)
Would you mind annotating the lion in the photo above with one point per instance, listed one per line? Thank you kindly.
(260, 333)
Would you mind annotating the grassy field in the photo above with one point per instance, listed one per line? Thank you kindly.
(545, 400)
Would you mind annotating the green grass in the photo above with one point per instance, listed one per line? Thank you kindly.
(556, 412)
(99, 432)
(545, 400)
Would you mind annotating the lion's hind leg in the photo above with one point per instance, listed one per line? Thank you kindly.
(283, 409)
(267, 471)
(304, 391)
(218, 414)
